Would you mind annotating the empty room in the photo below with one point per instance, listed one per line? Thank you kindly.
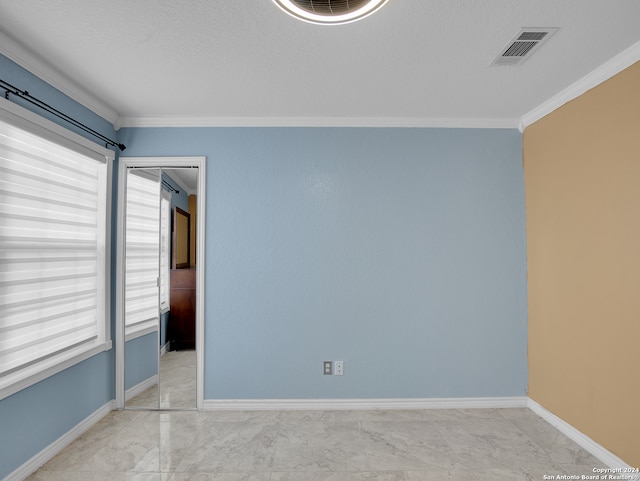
(319, 240)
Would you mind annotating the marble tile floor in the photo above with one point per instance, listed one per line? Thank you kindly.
(416, 445)
(177, 383)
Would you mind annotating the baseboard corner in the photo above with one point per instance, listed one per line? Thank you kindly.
(581, 439)
(36, 461)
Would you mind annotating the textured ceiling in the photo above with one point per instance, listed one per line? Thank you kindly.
(229, 59)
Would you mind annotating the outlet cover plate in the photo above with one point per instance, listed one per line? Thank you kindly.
(339, 368)
(328, 368)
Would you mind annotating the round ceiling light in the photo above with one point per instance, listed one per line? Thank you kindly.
(330, 12)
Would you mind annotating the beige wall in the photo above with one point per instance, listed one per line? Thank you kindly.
(582, 179)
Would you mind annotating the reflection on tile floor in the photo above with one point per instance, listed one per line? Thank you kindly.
(416, 445)
(177, 383)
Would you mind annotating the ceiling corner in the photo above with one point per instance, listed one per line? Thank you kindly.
(49, 74)
(604, 72)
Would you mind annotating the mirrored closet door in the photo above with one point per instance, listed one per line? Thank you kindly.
(159, 290)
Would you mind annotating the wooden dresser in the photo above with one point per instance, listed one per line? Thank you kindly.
(181, 330)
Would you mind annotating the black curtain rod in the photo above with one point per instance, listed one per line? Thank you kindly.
(170, 187)
(23, 94)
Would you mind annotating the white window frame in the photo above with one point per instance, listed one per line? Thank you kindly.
(52, 132)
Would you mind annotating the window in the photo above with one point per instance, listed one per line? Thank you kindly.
(53, 249)
(142, 252)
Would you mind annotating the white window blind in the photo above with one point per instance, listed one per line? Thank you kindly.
(165, 243)
(142, 251)
(53, 223)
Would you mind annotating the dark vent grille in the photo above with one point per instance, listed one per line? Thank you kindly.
(537, 36)
(519, 49)
(330, 7)
(523, 45)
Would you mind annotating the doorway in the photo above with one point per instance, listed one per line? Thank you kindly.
(160, 283)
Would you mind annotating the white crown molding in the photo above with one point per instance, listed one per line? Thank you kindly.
(363, 404)
(37, 66)
(607, 70)
(404, 122)
(579, 438)
(34, 463)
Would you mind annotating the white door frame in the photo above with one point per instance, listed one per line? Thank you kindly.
(163, 162)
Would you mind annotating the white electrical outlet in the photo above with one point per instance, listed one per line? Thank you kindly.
(339, 368)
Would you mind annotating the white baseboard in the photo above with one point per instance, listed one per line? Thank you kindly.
(584, 441)
(36, 461)
(363, 404)
(163, 349)
(579, 438)
(608, 458)
(140, 387)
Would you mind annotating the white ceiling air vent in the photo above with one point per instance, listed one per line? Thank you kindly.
(522, 46)
(330, 12)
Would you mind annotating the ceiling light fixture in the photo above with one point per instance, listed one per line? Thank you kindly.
(330, 12)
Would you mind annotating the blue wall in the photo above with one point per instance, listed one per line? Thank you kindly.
(399, 251)
(141, 359)
(35, 417)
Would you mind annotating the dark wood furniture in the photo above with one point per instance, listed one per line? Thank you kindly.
(181, 330)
